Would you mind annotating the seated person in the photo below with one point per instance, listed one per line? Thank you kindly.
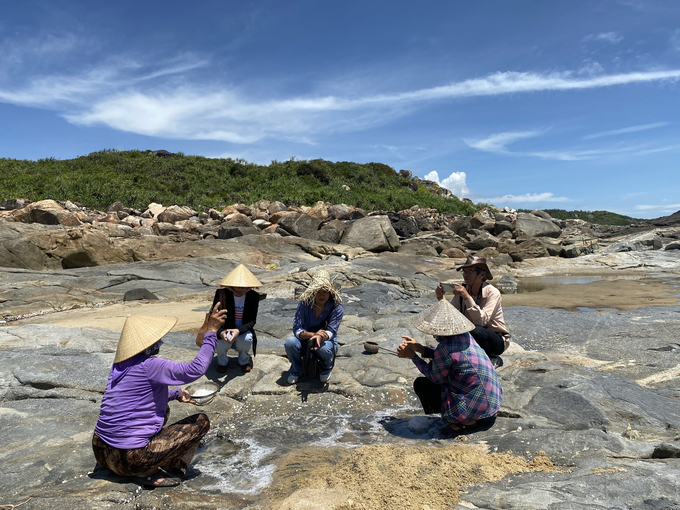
(460, 382)
(481, 304)
(317, 320)
(241, 303)
(129, 438)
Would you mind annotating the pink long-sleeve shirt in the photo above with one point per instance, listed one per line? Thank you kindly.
(137, 395)
(486, 311)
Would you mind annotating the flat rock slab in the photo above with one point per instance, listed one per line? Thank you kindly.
(595, 392)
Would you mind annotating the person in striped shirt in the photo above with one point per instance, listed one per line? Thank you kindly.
(460, 382)
(237, 331)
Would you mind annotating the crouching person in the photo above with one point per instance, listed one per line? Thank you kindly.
(460, 382)
(317, 320)
(129, 438)
(241, 303)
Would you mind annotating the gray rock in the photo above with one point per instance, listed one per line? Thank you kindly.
(139, 294)
(528, 225)
(374, 233)
(301, 225)
(229, 232)
(481, 241)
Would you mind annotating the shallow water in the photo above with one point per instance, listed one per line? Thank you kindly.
(525, 285)
(245, 466)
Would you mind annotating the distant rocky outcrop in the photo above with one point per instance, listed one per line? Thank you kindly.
(50, 234)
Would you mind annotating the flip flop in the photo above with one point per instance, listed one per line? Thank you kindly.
(158, 479)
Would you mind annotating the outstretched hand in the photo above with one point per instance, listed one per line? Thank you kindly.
(185, 398)
(216, 318)
(409, 347)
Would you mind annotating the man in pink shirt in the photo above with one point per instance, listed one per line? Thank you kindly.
(481, 304)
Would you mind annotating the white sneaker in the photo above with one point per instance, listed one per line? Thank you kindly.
(325, 378)
(292, 379)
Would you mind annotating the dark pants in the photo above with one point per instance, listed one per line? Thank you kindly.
(171, 449)
(430, 395)
(489, 340)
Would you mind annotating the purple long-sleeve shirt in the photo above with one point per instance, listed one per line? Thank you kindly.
(137, 395)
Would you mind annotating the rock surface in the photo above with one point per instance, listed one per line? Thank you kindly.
(597, 392)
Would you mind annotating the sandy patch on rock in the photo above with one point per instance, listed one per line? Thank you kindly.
(389, 476)
(619, 294)
(113, 316)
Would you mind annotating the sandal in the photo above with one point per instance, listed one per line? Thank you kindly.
(158, 479)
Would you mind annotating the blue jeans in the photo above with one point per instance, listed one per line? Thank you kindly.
(242, 344)
(325, 353)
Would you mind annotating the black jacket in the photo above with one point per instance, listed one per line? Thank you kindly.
(249, 312)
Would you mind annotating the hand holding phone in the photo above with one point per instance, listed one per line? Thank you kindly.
(448, 287)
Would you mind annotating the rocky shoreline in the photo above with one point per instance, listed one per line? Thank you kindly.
(595, 394)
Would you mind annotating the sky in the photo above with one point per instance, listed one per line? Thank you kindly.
(526, 104)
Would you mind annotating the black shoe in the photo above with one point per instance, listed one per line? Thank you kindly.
(496, 361)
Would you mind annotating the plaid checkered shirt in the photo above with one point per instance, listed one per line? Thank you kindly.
(470, 387)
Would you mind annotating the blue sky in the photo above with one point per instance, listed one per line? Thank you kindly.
(541, 104)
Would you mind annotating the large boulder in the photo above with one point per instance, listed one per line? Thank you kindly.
(405, 226)
(301, 225)
(530, 249)
(46, 212)
(331, 232)
(176, 213)
(373, 233)
(229, 232)
(481, 241)
(642, 243)
(528, 225)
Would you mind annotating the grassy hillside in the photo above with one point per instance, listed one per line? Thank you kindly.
(136, 178)
(598, 217)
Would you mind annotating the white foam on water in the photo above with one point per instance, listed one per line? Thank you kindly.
(241, 472)
(376, 431)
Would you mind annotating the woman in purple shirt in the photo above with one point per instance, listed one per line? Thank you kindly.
(129, 438)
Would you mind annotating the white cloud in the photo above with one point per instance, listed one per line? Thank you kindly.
(498, 142)
(125, 95)
(526, 198)
(660, 208)
(455, 182)
(610, 37)
(631, 129)
(675, 40)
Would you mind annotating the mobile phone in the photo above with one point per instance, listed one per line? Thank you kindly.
(448, 287)
(229, 335)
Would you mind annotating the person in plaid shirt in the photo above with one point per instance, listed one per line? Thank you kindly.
(460, 381)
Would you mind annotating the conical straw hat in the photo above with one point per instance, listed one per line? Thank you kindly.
(320, 280)
(442, 319)
(140, 332)
(240, 277)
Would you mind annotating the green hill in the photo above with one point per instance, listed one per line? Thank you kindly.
(137, 178)
(598, 217)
